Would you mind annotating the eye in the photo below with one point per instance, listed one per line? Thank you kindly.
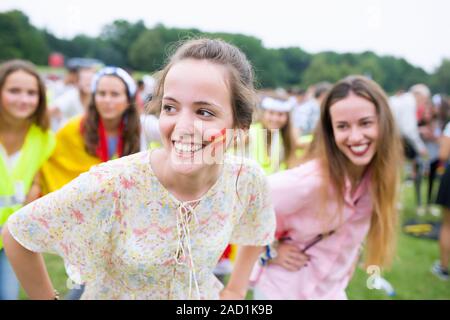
(14, 90)
(168, 108)
(341, 126)
(205, 113)
(366, 123)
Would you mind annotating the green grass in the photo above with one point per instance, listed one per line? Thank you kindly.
(410, 274)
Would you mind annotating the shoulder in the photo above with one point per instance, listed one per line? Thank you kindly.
(130, 165)
(244, 167)
(405, 100)
(308, 174)
(72, 126)
(120, 174)
(43, 134)
(43, 140)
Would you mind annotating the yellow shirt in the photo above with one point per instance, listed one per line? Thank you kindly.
(69, 159)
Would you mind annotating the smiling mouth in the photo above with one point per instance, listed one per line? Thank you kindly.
(183, 148)
(359, 150)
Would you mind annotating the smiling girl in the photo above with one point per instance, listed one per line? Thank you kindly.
(109, 129)
(25, 143)
(343, 193)
(153, 225)
(273, 137)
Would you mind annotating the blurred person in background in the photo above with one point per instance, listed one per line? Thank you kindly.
(74, 101)
(25, 144)
(440, 268)
(408, 108)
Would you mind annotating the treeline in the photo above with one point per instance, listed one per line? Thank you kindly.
(136, 47)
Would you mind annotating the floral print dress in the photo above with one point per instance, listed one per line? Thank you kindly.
(125, 236)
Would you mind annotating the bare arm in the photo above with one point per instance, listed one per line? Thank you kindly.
(238, 284)
(444, 149)
(29, 268)
(35, 189)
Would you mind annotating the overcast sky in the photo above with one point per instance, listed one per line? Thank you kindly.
(417, 30)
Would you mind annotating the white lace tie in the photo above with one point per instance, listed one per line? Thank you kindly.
(184, 252)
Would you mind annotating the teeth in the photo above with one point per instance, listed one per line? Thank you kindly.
(187, 147)
(359, 149)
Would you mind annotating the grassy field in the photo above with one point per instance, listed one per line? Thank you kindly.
(410, 274)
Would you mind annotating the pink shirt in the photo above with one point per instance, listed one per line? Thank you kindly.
(296, 198)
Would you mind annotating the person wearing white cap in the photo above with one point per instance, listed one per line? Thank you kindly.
(272, 139)
(272, 145)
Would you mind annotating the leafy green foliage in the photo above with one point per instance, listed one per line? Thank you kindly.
(134, 46)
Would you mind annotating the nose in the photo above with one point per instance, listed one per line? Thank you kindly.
(356, 135)
(106, 98)
(26, 98)
(186, 124)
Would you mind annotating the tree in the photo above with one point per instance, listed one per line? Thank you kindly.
(132, 45)
(441, 78)
(296, 61)
(117, 39)
(147, 52)
(19, 39)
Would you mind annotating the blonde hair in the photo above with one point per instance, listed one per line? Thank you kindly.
(385, 166)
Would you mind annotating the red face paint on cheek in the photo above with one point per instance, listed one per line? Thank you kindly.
(221, 136)
(217, 139)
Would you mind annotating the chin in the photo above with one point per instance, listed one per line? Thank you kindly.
(185, 166)
(108, 117)
(361, 162)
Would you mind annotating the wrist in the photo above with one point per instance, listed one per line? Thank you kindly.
(268, 254)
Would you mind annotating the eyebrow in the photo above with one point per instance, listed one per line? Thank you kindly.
(362, 119)
(367, 118)
(200, 102)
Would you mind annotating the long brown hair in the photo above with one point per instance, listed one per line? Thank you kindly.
(131, 130)
(385, 166)
(40, 116)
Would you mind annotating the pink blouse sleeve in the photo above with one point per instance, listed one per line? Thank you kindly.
(295, 191)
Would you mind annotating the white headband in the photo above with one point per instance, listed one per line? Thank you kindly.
(276, 105)
(118, 72)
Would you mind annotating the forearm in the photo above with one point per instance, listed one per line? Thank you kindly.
(444, 149)
(29, 268)
(245, 260)
(35, 189)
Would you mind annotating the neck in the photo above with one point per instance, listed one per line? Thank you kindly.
(10, 124)
(111, 126)
(355, 174)
(189, 187)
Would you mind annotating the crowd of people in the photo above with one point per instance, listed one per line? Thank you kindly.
(156, 188)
